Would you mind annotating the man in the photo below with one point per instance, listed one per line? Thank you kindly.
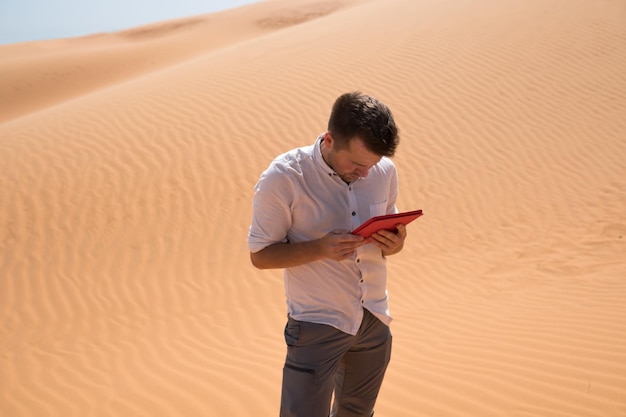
(305, 205)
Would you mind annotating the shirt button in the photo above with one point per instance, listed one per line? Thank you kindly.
(362, 281)
(358, 260)
(354, 213)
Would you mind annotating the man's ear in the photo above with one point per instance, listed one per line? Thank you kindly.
(328, 141)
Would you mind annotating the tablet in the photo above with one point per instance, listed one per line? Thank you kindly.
(387, 222)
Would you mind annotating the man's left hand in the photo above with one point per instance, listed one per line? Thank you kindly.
(389, 242)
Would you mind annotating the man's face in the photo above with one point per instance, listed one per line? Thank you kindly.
(351, 162)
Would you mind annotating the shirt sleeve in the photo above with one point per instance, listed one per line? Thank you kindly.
(393, 188)
(274, 194)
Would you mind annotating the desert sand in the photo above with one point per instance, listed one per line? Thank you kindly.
(127, 166)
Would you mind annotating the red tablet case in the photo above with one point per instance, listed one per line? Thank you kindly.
(387, 222)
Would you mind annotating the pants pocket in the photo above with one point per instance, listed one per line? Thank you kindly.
(302, 396)
(299, 369)
(292, 332)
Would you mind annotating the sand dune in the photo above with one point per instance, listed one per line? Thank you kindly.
(37, 75)
(127, 166)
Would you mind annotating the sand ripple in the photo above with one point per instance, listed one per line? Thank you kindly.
(125, 285)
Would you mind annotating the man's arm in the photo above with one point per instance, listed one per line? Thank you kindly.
(336, 246)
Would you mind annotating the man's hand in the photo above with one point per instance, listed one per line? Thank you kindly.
(389, 242)
(339, 246)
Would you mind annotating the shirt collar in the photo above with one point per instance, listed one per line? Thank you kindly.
(319, 160)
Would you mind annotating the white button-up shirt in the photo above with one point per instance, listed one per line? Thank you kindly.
(300, 198)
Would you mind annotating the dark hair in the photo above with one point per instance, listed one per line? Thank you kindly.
(358, 115)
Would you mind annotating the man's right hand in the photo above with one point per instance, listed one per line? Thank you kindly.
(340, 245)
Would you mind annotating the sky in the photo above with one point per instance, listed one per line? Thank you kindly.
(29, 20)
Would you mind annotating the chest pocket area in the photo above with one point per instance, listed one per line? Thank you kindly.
(378, 209)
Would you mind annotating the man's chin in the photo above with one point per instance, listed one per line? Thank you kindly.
(350, 177)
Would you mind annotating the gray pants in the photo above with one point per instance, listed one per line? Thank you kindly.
(322, 359)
